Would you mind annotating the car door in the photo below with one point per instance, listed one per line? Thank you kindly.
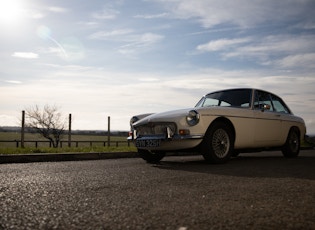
(267, 120)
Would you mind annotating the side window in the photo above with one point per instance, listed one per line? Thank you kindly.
(261, 99)
(279, 105)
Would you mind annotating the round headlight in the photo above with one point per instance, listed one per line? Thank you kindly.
(193, 117)
(133, 120)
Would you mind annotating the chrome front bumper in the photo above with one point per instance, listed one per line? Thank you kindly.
(165, 142)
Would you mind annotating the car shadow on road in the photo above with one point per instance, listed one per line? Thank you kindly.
(248, 165)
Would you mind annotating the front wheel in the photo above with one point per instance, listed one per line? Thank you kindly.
(151, 157)
(291, 147)
(217, 146)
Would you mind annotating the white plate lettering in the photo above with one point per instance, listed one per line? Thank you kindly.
(147, 143)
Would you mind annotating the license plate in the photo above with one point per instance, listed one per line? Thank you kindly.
(148, 143)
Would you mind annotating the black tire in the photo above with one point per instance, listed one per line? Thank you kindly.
(218, 144)
(292, 145)
(235, 153)
(151, 157)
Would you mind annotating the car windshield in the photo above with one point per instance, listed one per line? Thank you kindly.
(234, 98)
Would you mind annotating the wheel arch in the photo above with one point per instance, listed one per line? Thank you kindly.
(295, 128)
(292, 146)
(225, 121)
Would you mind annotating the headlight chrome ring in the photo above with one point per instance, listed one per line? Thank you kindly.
(193, 117)
(133, 120)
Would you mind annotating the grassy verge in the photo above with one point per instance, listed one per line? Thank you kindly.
(96, 149)
(10, 148)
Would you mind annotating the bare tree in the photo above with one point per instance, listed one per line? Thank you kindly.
(48, 122)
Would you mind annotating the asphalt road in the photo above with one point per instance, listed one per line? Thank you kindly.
(253, 191)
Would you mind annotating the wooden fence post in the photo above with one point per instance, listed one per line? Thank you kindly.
(108, 134)
(23, 129)
(69, 131)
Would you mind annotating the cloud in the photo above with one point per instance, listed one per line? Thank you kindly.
(110, 35)
(142, 40)
(282, 51)
(299, 60)
(13, 82)
(243, 13)
(221, 44)
(56, 9)
(130, 41)
(139, 42)
(106, 14)
(152, 16)
(26, 55)
(148, 79)
(128, 36)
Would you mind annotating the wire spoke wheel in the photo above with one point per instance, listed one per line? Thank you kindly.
(220, 143)
(217, 145)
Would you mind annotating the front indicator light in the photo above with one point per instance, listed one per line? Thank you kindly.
(183, 132)
(193, 117)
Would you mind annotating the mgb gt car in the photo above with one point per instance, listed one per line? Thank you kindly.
(222, 124)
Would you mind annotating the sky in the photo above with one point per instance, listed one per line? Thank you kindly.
(121, 58)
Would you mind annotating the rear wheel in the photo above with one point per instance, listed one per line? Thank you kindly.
(217, 146)
(291, 147)
(235, 153)
(150, 156)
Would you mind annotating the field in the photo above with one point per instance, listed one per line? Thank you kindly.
(80, 143)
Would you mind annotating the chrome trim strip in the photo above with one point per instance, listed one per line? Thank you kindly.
(175, 137)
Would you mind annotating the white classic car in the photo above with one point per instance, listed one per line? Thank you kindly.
(222, 124)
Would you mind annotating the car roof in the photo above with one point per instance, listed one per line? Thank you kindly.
(245, 88)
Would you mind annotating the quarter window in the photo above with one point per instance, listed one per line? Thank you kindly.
(279, 105)
(276, 104)
(262, 99)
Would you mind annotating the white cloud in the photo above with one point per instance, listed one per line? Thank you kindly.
(128, 36)
(238, 12)
(299, 61)
(106, 14)
(267, 45)
(130, 41)
(281, 51)
(152, 16)
(114, 34)
(221, 44)
(149, 38)
(13, 82)
(26, 55)
(148, 79)
(56, 9)
(139, 43)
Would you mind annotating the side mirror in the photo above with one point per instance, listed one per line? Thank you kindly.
(265, 107)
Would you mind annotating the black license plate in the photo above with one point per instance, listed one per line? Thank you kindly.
(147, 143)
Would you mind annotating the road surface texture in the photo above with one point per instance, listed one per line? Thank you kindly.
(253, 191)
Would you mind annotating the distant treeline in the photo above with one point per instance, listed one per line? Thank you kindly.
(75, 132)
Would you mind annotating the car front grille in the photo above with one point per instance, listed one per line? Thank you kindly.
(155, 129)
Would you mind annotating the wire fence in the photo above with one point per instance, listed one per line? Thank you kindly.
(38, 144)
